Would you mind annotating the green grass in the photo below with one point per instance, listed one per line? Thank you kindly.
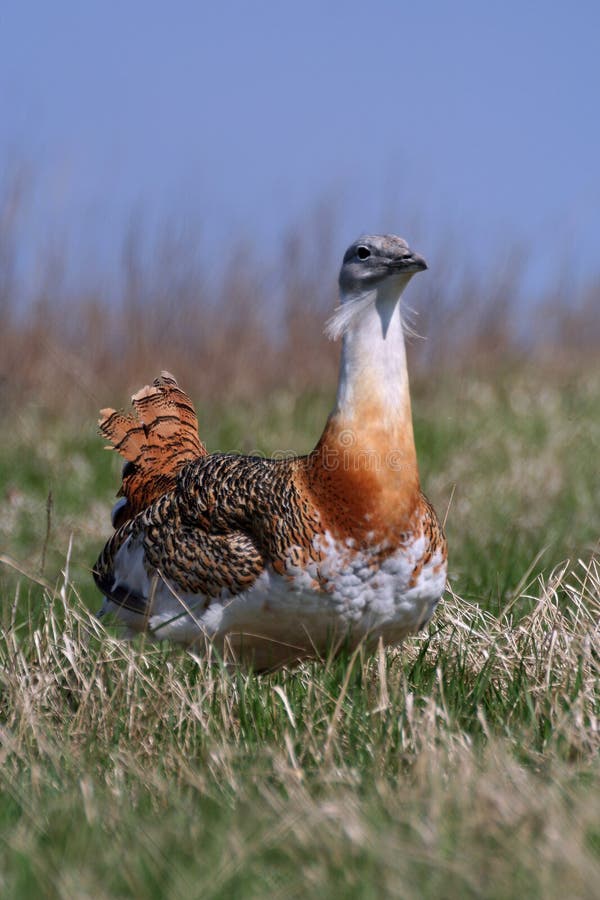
(464, 764)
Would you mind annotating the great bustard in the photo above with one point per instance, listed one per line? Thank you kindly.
(273, 560)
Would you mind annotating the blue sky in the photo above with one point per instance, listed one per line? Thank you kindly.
(471, 119)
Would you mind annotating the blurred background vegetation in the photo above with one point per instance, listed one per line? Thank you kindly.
(505, 391)
(258, 325)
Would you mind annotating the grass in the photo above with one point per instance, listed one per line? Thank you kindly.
(465, 764)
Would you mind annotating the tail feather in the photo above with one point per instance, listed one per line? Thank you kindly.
(156, 440)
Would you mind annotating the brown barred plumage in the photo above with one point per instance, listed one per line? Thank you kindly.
(156, 440)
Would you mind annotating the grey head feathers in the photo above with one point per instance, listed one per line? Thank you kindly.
(373, 265)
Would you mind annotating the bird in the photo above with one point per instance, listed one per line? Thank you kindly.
(267, 562)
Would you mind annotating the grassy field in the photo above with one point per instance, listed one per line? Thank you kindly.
(464, 764)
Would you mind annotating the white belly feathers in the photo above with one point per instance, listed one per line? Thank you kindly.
(342, 599)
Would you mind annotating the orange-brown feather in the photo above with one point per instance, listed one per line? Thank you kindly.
(360, 486)
(156, 440)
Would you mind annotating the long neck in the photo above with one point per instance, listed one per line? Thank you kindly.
(363, 472)
(373, 398)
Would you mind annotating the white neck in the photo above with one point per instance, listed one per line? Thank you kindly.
(373, 379)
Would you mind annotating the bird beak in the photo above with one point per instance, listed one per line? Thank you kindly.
(411, 262)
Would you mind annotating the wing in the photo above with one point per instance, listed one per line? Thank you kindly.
(227, 519)
(189, 555)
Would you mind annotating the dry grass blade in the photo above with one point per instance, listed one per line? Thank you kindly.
(137, 737)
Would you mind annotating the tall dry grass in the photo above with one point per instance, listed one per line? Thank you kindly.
(257, 325)
(464, 766)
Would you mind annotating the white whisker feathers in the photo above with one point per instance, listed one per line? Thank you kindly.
(347, 315)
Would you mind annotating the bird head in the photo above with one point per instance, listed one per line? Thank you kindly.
(375, 267)
(375, 258)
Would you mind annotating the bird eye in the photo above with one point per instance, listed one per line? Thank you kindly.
(363, 252)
